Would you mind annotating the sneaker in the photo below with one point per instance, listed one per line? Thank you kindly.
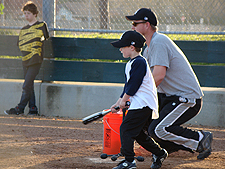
(33, 111)
(125, 164)
(204, 147)
(157, 160)
(14, 111)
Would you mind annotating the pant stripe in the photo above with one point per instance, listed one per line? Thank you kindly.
(169, 120)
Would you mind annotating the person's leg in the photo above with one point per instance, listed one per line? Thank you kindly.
(130, 128)
(158, 154)
(32, 101)
(167, 130)
(144, 139)
(33, 110)
(28, 95)
(28, 90)
(148, 143)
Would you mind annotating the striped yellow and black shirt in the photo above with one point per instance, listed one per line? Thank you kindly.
(30, 42)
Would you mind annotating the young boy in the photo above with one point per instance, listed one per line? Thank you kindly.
(30, 42)
(141, 90)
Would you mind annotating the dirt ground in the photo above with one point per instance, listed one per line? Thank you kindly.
(61, 143)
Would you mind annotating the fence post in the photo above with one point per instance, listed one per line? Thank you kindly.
(49, 14)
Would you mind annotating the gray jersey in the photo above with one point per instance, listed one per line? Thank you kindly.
(180, 78)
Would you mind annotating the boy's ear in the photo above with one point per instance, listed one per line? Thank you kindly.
(132, 47)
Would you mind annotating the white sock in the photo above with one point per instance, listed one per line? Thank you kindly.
(200, 136)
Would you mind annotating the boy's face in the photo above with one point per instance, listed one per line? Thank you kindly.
(29, 16)
(126, 51)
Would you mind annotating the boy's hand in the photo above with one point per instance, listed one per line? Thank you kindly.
(113, 110)
(123, 104)
(116, 105)
(120, 104)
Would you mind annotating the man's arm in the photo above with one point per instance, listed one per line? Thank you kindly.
(159, 72)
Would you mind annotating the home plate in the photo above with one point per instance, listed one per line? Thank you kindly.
(99, 160)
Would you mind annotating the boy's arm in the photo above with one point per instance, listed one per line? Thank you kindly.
(137, 73)
(123, 101)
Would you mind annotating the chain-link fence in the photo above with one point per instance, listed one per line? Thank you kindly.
(79, 18)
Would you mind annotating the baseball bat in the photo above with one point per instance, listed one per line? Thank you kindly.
(100, 114)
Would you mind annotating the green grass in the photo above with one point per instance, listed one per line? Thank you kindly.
(183, 37)
(92, 60)
(11, 57)
(124, 61)
(207, 64)
(69, 34)
(114, 61)
(72, 59)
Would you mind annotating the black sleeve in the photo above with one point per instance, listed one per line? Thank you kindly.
(137, 73)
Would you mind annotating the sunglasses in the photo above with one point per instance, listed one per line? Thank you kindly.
(136, 23)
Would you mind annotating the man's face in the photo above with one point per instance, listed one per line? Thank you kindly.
(139, 25)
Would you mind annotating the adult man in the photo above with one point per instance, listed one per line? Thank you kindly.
(179, 92)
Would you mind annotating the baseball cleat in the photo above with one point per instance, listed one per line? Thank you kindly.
(124, 164)
(157, 160)
(204, 147)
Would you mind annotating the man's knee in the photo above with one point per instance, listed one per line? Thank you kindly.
(156, 132)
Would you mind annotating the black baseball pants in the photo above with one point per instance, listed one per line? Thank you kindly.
(167, 129)
(132, 128)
